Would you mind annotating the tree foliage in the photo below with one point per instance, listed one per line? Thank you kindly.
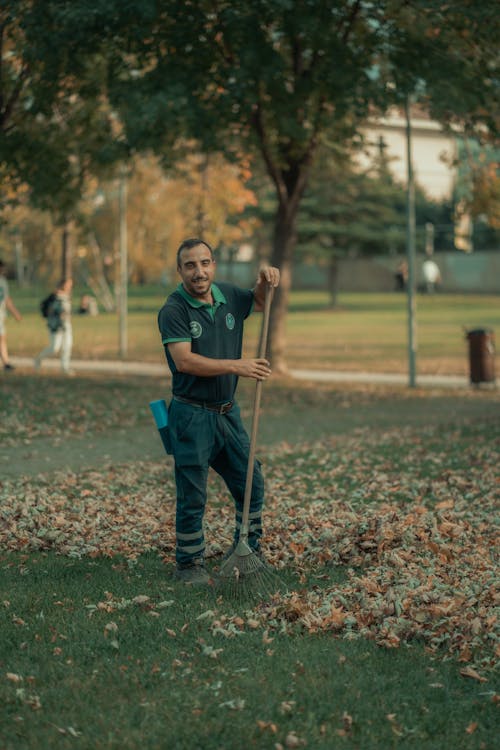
(56, 127)
(270, 77)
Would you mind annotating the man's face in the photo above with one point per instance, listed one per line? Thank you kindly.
(197, 270)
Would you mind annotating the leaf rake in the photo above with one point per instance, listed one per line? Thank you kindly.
(244, 572)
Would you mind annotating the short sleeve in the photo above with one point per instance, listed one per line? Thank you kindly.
(173, 324)
(4, 289)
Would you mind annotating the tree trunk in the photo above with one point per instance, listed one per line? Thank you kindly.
(67, 256)
(282, 258)
(333, 282)
(100, 285)
(290, 182)
(18, 251)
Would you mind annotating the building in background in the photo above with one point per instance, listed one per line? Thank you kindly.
(433, 150)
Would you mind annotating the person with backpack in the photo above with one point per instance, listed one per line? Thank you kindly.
(56, 309)
(6, 305)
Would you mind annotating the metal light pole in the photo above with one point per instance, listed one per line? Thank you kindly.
(123, 275)
(18, 253)
(410, 251)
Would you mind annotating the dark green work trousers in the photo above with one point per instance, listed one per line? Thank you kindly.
(200, 439)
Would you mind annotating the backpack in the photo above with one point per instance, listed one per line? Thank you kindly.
(46, 304)
(53, 309)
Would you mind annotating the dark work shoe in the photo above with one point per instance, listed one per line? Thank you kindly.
(9, 367)
(194, 574)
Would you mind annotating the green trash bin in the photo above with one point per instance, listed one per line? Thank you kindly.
(481, 355)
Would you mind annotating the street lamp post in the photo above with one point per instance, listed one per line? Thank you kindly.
(410, 251)
(123, 273)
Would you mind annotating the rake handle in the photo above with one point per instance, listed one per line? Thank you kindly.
(255, 414)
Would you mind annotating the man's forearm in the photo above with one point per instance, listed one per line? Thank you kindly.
(205, 367)
(12, 309)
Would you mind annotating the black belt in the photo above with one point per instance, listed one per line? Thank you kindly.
(218, 408)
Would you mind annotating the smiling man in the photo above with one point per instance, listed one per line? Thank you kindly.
(201, 326)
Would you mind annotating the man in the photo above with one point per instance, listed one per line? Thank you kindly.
(6, 305)
(201, 326)
(60, 328)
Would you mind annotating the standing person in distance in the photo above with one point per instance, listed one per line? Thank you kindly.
(60, 328)
(201, 326)
(431, 274)
(6, 305)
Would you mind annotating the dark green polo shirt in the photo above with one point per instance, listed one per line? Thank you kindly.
(214, 330)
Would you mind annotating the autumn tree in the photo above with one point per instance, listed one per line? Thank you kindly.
(55, 125)
(200, 194)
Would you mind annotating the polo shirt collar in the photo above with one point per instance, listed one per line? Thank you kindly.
(218, 296)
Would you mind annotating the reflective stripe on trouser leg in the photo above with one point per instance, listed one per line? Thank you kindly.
(191, 482)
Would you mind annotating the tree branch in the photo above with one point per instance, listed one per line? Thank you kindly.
(6, 112)
(350, 21)
(273, 170)
(221, 41)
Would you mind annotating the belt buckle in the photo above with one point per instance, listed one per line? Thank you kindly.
(224, 408)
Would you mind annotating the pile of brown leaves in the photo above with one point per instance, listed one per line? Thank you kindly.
(418, 545)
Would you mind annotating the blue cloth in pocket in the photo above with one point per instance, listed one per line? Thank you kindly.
(160, 415)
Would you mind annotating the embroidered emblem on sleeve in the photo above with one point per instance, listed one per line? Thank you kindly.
(195, 328)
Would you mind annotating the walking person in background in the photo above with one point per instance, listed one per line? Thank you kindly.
(201, 326)
(6, 305)
(59, 325)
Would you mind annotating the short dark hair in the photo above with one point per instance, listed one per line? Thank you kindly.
(188, 244)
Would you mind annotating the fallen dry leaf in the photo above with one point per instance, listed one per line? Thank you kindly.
(470, 672)
(292, 740)
(13, 677)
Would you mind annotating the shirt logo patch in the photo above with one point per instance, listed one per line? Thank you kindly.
(196, 329)
(230, 321)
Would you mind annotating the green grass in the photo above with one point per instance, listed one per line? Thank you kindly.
(155, 675)
(366, 332)
(84, 663)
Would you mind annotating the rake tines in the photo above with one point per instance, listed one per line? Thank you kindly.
(244, 573)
